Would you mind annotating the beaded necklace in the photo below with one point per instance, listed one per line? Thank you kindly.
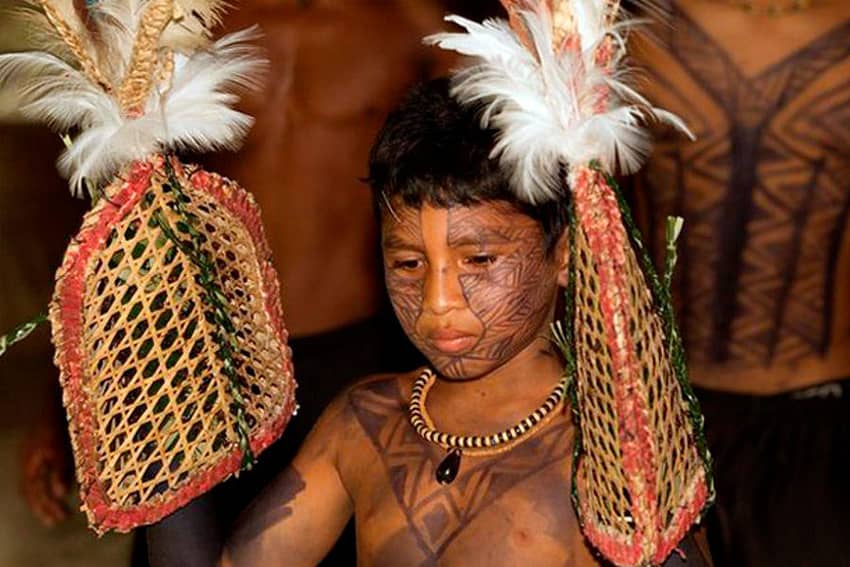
(474, 445)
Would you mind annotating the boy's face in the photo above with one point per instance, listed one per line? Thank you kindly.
(471, 286)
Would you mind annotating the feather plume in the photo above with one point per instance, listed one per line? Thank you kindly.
(117, 25)
(192, 26)
(40, 21)
(198, 14)
(51, 90)
(552, 101)
(194, 113)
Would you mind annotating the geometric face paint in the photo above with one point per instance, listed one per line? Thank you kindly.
(471, 286)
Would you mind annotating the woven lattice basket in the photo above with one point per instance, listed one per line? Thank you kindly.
(162, 398)
(642, 475)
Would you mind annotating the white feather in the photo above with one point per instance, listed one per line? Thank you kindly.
(194, 113)
(118, 22)
(51, 90)
(32, 25)
(192, 29)
(590, 19)
(550, 107)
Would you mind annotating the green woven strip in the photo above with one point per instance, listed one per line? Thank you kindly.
(20, 332)
(566, 341)
(225, 336)
(674, 229)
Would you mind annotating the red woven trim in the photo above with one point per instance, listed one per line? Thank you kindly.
(599, 216)
(102, 514)
(127, 519)
(615, 547)
(685, 517)
(67, 334)
(629, 551)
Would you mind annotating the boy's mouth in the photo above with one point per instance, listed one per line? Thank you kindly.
(451, 341)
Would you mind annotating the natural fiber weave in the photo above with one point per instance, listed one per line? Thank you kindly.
(75, 44)
(142, 70)
(151, 413)
(641, 480)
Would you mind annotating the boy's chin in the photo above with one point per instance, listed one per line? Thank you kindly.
(461, 369)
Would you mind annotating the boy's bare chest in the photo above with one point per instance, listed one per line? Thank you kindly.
(504, 509)
(529, 523)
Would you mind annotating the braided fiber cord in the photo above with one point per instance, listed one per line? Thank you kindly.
(141, 75)
(75, 44)
(224, 338)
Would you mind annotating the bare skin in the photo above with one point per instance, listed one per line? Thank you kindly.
(364, 459)
(337, 69)
(763, 191)
(46, 468)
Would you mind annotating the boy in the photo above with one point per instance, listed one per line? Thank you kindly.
(474, 276)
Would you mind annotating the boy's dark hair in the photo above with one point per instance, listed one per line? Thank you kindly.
(433, 150)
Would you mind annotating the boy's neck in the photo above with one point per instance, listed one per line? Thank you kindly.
(508, 392)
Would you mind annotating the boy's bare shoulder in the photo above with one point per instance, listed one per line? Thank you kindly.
(389, 387)
(351, 426)
(357, 407)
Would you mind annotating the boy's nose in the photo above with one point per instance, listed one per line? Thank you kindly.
(443, 291)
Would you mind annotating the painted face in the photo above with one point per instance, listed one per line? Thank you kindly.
(471, 286)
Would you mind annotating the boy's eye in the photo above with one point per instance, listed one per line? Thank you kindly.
(480, 260)
(411, 264)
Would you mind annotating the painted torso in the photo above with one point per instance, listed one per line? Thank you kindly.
(512, 508)
(764, 190)
(509, 509)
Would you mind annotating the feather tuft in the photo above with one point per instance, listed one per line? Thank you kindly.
(39, 28)
(194, 113)
(193, 24)
(554, 102)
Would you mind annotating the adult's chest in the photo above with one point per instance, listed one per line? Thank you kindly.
(331, 69)
(766, 99)
(761, 188)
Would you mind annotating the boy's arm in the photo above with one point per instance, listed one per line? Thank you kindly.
(299, 516)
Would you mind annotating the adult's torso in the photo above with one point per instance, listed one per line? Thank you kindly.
(761, 290)
(336, 69)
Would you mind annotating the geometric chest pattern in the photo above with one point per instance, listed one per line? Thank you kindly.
(765, 195)
(438, 514)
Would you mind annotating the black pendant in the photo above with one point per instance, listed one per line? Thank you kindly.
(447, 471)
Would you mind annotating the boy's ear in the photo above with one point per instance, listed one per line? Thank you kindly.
(562, 255)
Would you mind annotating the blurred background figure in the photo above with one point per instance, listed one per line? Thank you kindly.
(337, 68)
(37, 219)
(762, 286)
